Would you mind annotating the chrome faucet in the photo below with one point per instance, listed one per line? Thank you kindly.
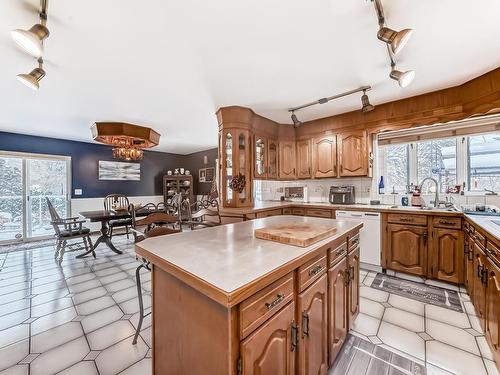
(436, 197)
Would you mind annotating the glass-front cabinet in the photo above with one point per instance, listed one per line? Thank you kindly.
(266, 158)
(236, 168)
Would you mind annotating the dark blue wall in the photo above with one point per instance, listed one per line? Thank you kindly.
(84, 164)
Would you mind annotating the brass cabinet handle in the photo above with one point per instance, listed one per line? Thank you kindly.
(406, 219)
(305, 324)
(355, 241)
(424, 236)
(315, 270)
(279, 298)
(294, 337)
(351, 273)
(340, 251)
(446, 222)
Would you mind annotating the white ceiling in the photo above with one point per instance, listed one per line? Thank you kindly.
(170, 64)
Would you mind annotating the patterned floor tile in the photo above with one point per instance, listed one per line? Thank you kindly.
(56, 336)
(60, 357)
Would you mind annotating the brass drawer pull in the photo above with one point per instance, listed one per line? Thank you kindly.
(446, 222)
(279, 298)
(315, 270)
(355, 242)
(406, 219)
(340, 251)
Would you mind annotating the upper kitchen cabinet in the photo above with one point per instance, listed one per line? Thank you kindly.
(354, 154)
(324, 157)
(304, 158)
(260, 157)
(236, 168)
(265, 158)
(287, 168)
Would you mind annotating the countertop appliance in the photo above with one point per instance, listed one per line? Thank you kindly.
(342, 194)
(369, 236)
(296, 194)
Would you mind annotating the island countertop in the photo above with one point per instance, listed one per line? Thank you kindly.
(223, 261)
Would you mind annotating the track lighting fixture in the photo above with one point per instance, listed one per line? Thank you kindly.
(404, 78)
(296, 121)
(367, 107)
(395, 39)
(33, 78)
(31, 40)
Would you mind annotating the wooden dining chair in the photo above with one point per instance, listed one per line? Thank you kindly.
(117, 202)
(154, 225)
(205, 214)
(66, 231)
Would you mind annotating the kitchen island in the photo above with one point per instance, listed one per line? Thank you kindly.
(225, 302)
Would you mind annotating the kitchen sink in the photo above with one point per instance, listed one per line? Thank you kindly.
(426, 208)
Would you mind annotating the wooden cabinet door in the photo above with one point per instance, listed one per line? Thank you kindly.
(269, 349)
(353, 286)
(447, 255)
(260, 157)
(406, 249)
(337, 308)
(353, 154)
(272, 159)
(493, 309)
(304, 159)
(479, 285)
(287, 160)
(469, 265)
(313, 349)
(324, 157)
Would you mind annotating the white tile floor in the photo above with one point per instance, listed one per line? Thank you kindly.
(445, 341)
(80, 319)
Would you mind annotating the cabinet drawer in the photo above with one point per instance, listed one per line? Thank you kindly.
(335, 255)
(268, 213)
(407, 219)
(311, 271)
(353, 242)
(287, 211)
(317, 212)
(298, 211)
(258, 308)
(447, 222)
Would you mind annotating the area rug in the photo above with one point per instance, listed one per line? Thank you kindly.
(433, 295)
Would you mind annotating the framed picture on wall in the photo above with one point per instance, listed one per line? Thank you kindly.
(206, 174)
(118, 171)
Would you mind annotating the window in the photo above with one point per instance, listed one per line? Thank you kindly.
(438, 159)
(483, 162)
(394, 167)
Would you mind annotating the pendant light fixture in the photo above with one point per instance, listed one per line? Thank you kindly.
(33, 78)
(365, 101)
(128, 140)
(395, 41)
(31, 41)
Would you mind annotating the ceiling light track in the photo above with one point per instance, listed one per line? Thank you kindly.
(31, 41)
(366, 106)
(395, 41)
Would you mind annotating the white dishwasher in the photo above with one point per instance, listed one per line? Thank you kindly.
(369, 236)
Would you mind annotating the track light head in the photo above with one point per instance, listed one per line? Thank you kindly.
(31, 40)
(34, 77)
(296, 121)
(365, 101)
(404, 78)
(395, 39)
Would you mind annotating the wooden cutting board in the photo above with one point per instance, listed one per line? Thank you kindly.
(297, 234)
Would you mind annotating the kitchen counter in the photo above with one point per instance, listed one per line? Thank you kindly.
(486, 223)
(269, 205)
(222, 261)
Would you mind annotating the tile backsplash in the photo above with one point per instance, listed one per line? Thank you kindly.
(365, 189)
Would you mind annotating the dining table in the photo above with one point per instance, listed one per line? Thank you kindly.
(104, 217)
